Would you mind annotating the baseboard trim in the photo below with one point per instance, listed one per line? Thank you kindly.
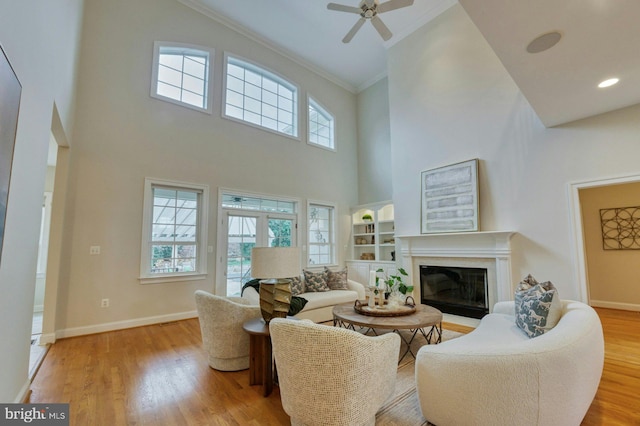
(47, 338)
(615, 305)
(24, 393)
(121, 325)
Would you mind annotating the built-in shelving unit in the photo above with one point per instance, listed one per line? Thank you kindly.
(372, 241)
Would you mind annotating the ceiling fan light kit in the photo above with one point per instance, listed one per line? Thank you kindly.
(369, 10)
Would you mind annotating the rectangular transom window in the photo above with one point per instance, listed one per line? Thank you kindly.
(181, 75)
(174, 230)
(260, 98)
(321, 127)
(321, 223)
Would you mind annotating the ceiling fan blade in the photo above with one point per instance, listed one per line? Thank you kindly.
(343, 8)
(381, 28)
(393, 4)
(353, 30)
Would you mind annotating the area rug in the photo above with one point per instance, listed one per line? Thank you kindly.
(403, 408)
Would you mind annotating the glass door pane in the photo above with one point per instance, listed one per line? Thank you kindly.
(280, 232)
(241, 238)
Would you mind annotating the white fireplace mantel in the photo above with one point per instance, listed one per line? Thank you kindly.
(460, 244)
(491, 247)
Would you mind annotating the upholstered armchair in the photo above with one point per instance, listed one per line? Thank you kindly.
(330, 375)
(221, 320)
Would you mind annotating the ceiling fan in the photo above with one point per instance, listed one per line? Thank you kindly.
(370, 9)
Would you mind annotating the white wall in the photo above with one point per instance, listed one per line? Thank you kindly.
(123, 135)
(40, 39)
(452, 100)
(374, 144)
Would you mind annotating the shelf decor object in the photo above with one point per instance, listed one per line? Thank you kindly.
(450, 198)
(275, 266)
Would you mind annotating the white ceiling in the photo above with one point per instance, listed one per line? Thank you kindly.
(601, 39)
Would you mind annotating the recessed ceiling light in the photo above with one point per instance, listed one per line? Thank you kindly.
(544, 42)
(609, 82)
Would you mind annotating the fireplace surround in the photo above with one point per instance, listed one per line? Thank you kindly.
(490, 250)
(455, 290)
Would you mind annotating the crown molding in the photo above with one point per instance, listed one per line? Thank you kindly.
(210, 13)
(432, 13)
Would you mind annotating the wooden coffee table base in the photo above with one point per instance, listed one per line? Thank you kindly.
(425, 317)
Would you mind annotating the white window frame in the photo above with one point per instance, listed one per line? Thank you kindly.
(184, 48)
(146, 277)
(333, 245)
(312, 102)
(223, 212)
(273, 75)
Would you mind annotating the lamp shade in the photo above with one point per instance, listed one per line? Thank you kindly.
(275, 262)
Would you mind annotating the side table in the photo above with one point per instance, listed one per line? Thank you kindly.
(260, 354)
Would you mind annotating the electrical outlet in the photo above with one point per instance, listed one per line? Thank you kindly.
(94, 250)
(104, 303)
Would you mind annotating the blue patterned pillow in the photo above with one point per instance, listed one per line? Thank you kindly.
(316, 282)
(537, 309)
(297, 286)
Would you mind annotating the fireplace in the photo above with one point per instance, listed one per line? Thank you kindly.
(455, 290)
(487, 250)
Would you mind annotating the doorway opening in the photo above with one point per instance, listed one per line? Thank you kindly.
(37, 350)
(579, 231)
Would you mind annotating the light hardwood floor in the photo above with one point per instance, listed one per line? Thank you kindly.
(158, 375)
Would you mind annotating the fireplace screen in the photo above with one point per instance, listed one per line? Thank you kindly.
(455, 290)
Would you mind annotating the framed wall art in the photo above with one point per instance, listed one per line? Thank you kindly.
(10, 91)
(620, 228)
(450, 198)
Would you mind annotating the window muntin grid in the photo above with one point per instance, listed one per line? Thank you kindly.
(321, 235)
(174, 230)
(321, 131)
(241, 202)
(259, 97)
(182, 75)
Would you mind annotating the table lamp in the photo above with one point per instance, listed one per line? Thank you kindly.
(275, 266)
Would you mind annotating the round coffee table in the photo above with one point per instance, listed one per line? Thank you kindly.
(344, 315)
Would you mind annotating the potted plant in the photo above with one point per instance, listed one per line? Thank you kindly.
(367, 217)
(394, 285)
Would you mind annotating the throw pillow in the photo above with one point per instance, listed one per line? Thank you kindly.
(555, 310)
(297, 304)
(315, 281)
(297, 286)
(337, 280)
(526, 283)
(537, 308)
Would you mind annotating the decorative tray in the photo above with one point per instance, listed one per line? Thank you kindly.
(376, 311)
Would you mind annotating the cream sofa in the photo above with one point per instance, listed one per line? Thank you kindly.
(496, 375)
(319, 307)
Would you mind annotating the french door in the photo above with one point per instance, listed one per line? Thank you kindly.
(245, 230)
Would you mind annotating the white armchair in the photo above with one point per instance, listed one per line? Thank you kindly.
(332, 376)
(223, 338)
